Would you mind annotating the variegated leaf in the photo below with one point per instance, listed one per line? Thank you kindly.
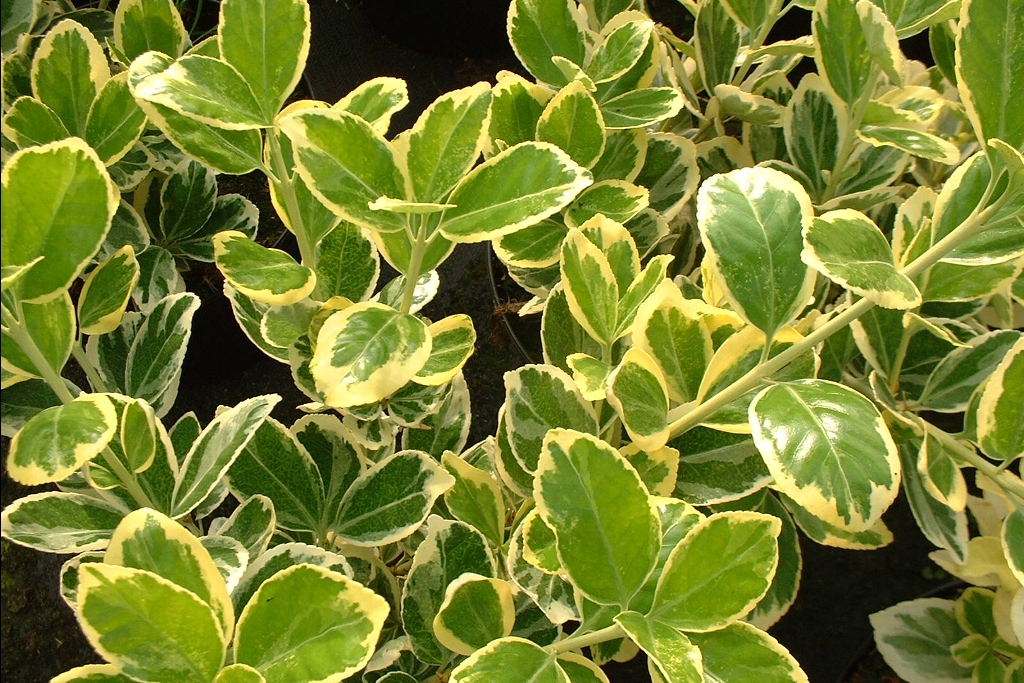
(366, 352)
(269, 276)
(750, 221)
(309, 623)
(849, 248)
(59, 522)
(148, 626)
(584, 485)
(57, 441)
(828, 449)
(66, 225)
(391, 499)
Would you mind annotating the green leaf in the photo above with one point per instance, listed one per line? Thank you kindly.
(743, 653)
(65, 225)
(279, 558)
(154, 359)
(391, 499)
(347, 165)
(669, 172)
(267, 43)
(107, 290)
(58, 522)
(915, 639)
(718, 572)
(911, 18)
(68, 70)
(552, 593)
(452, 342)
(590, 375)
(18, 19)
(366, 352)
(216, 449)
(814, 125)
(239, 673)
(449, 550)
(205, 89)
(275, 464)
(144, 25)
(92, 673)
(539, 398)
(989, 68)
(57, 441)
(22, 400)
(447, 427)
(115, 121)
(671, 653)
(717, 43)
(1001, 408)
(226, 151)
(938, 521)
(150, 541)
(376, 101)
(590, 286)
(507, 661)
(308, 623)
(514, 189)
(882, 43)
(187, 200)
(753, 13)
(620, 49)
(573, 121)
(251, 524)
(447, 140)
(616, 200)
(348, 264)
(750, 221)
(638, 393)
(562, 334)
(1012, 538)
(717, 467)
(516, 107)
(149, 627)
(51, 325)
(608, 534)
(829, 449)
(269, 276)
(918, 143)
(676, 338)
(29, 123)
(850, 249)
(541, 29)
(841, 48)
(639, 108)
(538, 541)
(475, 498)
(954, 379)
(476, 610)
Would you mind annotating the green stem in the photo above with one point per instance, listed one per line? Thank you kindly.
(91, 373)
(1005, 480)
(126, 479)
(847, 146)
(897, 366)
(970, 227)
(755, 44)
(419, 250)
(587, 639)
(25, 342)
(282, 179)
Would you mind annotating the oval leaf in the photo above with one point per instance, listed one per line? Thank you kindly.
(829, 449)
